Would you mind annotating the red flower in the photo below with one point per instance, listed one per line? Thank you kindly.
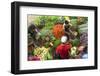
(58, 30)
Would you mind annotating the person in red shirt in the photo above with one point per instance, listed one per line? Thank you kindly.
(62, 50)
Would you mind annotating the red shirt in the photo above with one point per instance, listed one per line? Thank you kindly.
(63, 50)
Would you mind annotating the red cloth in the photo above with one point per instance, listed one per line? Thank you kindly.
(63, 50)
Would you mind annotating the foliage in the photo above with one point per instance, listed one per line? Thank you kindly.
(75, 42)
(48, 21)
(51, 30)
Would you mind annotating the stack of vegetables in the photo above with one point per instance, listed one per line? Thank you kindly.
(51, 30)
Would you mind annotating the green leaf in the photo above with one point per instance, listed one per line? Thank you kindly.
(75, 42)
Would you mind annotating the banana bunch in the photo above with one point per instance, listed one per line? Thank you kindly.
(73, 52)
(41, 52)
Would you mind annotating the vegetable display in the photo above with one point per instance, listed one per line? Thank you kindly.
(45, 33)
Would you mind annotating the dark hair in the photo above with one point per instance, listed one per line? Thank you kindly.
(85, 49)
(32, 26)
(66, 22)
